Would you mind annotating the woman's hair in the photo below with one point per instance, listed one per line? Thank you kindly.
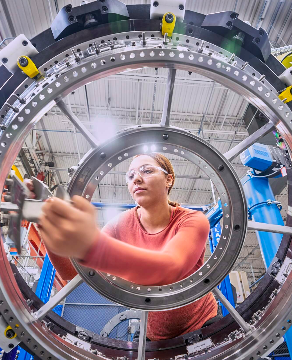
(165, 164)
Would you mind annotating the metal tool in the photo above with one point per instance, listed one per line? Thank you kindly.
(21, 207)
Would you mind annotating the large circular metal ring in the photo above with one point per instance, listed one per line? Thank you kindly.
(272, 318)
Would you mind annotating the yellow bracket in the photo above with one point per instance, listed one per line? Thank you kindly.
(6, 335)
(168, 24)
(286, 94)
(17, 172)
(27, 66)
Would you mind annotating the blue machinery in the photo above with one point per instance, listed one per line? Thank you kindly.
(262, 205)
(262, 208)
(43, 291)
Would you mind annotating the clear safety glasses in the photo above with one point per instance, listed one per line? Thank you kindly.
(144, 171)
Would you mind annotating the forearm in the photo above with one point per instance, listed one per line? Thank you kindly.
(62, 265)
(141, 266)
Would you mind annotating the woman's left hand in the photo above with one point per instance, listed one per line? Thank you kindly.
(67, 230)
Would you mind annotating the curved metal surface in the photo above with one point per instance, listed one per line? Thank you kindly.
(125, 315)
(59, 81)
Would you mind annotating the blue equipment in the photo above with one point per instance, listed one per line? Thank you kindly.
(262, 206)
(43, 291)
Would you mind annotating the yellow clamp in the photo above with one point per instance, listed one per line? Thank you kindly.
(286, 94)
(286, 59)
(10, 333)
(27, 66)
(168, 24)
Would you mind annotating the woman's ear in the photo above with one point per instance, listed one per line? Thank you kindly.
(169, 180)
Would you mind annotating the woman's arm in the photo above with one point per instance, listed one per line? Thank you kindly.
(72, 232)
(63, 265)
(148, 267)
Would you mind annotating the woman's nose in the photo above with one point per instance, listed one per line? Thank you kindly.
(137, 177)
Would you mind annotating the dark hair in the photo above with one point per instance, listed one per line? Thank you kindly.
(164, 162)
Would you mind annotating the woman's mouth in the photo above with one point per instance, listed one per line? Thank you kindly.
(139, 191)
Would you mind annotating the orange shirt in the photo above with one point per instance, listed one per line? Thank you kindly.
(125, 249)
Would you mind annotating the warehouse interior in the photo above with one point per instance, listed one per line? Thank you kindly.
(54, 147)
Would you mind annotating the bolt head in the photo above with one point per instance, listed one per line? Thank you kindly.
(23, 61)
(24, 43)
(169, 18)
(165, 136)
(181, 7)
(156, 3)
(221, 167)
(102, 155)
(5, 60)
(10, 333)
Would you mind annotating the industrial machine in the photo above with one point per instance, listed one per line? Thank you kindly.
(105, 37)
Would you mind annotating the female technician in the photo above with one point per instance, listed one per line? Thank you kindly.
(155, 243)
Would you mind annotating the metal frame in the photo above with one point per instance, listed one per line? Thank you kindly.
(220, 66)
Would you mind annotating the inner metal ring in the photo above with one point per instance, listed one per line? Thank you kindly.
(132, 142)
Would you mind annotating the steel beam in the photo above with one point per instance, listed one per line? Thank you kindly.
(168, 97)
(77, 123)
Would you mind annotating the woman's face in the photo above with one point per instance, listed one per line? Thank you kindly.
(148, 189)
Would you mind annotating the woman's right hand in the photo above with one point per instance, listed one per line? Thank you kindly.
(29, 185)
(63, 265)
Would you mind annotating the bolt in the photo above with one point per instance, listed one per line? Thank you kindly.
(169, 18)
(91, 273)
(102, 155)
(165, 136)
(229, 23)
(221, 167)
(181, 7)
(156, 3)
(262, 77)
(24, 43)
(23, 61)
(68, 8)
(5, 60)
(10, 333)
(71, 18)
(104, 8)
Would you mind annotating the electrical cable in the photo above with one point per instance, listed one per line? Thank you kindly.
(8, 38)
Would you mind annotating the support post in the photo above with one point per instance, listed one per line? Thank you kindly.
(225, 286)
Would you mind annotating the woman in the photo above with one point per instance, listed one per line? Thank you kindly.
(155, 243)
